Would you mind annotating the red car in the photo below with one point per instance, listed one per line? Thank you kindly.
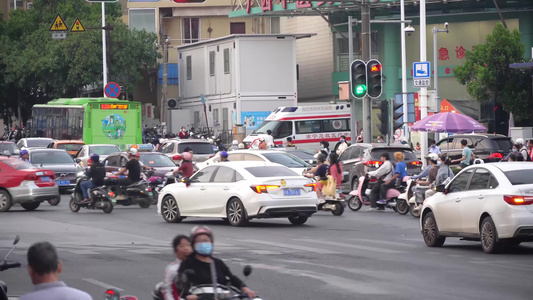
(21, 182)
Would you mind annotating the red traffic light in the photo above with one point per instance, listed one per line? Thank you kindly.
(375, 68)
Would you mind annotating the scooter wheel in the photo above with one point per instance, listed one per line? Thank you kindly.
(415, 213)
(402, 207)
(108, 207)
(73, 205)
(354, 203)
(339, 210)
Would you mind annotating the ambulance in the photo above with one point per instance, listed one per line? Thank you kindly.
(306, 125)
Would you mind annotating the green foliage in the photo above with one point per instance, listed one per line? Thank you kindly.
(487, 75)
(35, 68)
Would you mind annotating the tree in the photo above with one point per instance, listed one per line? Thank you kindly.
(487, 75)
(35, 68)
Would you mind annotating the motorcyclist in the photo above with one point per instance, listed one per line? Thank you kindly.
(182, 249)
(443, 175)
(186, 168)
(200, 262)
(224, 156)
(321, 173)
(24, 156)
(234, 145)
(399, 173)
(384, 173)
(97, 174)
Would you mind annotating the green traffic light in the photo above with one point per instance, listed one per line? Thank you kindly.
(360, 90)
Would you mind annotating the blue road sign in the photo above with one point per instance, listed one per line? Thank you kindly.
(112, 90)
(421, 70)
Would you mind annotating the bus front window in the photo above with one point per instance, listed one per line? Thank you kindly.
(280, 129)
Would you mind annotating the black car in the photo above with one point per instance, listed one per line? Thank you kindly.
(482, 145)
(361, 158)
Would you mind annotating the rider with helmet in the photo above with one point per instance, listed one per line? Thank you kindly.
(202, 262)
(186, 168)
(133, 166)
(321, 173)
(25, 156)
(224, 156)
(96, 173)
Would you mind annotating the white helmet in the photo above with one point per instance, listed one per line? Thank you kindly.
(520, 141)
(210, 141)
(235, 142)
(433, 156)
(132, 151)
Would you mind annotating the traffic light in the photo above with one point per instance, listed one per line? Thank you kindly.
(383, 117)
(374, 78)
(396, 115)
(358, 78)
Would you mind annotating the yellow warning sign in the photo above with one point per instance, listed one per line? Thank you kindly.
(77, 26)
(59, 24)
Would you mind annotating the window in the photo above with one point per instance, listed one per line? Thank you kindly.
(275, 25)
(346, 154)
(286, 159)
(188, 66)
(518, 177)
(204, 175)
(212, 63)
(493, 183)
(191, 30)
(142, 19)
(167, 148)
(459, 183)
(226, 61)
(197, 148)
(123, 161)
(50, 158)
(225, 117)
(271, 171)
(308, 126)
(336, 125)
(237, 28)
(252, 157)
(196, 118)
(225, 174)
(235, 156)
(215, 117)
(480, 179)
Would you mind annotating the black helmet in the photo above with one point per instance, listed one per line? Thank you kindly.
(321, 157)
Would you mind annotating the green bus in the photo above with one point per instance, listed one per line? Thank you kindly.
(93, 120)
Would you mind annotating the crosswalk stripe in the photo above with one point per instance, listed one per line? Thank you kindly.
(411, 245)
(358, 247)
(288, 246)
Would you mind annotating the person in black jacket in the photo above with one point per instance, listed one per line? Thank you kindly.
(200, 262)
(97, 174)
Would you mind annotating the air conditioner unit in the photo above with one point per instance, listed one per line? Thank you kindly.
(172, 103)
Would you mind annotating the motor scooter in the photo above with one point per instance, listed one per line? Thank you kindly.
(113, 294)
(403, 204)
(98, 195)
(334, 204)
(8, 265)
(138, 192)
(361, 195)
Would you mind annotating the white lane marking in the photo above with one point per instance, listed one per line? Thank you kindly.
(359, 247)
(102, 284)
(294, 247)
(83, 252)
(265, 252)
(502, 264)
(142, 251)
(389, 243)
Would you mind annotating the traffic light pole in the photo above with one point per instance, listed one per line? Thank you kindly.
(365, 56)
(353, 101)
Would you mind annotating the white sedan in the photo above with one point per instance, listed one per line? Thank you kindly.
(491, 203)
(238, 192)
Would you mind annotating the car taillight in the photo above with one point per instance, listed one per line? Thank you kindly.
(31, 177)
(263, 188)
(89, 162)
(313, 185)
(374, 163)
(373, 179)
(518, 200)
(110, 193)
(416, 163)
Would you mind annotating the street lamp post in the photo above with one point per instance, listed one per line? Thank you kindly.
(423, 90)
(435, 62)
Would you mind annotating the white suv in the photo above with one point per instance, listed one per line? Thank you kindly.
(491, 203)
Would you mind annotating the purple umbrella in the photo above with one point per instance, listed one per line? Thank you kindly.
(448, 122)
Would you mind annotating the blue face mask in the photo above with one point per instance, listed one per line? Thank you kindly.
(342, 140)
(515, 150)
(204, 248)
(439, 163)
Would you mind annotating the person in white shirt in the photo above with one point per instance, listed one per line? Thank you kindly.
(182, 248)
(341, 145)
(434, 148)
(269, 139)
(384, 173)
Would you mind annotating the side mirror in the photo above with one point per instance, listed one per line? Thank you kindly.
(77, 160)
(17, 151)
(440, 189)
(247, 270)
(186, 180)
(73, 155)
(17, 239)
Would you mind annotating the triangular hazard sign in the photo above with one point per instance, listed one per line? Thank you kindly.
(59, 24)
(77, 26)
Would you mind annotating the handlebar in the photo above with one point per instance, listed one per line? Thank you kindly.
(7, 265)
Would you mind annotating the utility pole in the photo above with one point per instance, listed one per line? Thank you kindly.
(165, 77)
(406, 134)
(353, 101)
(365, 56)
(104, 49)
(423, 90)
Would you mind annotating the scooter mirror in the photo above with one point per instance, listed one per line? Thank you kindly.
(17, 238)
(247, 270)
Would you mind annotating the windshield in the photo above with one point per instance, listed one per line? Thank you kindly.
(50, 158)
(266, 125)
(270, 171)
(69, 147)
(104, 150)
(409, 155)
(286, 159)
(38, 142)
(303, 154)
(197, 148)
(504, 144)
(9, 148)
(156, 160)
(18, 164)
(518, 177)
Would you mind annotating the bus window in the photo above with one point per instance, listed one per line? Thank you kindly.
(308, 126)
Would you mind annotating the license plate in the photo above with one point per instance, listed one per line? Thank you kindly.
(45, 179)
(63, 182)
(150, 194)
(291, 192)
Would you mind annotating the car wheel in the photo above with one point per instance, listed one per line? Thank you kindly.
(236, 213)
(108, 207)
(415, 213)
(73, 205)
(55, 201)
(354, 203)
(5, 201)
(298, 220)
(339, 209)
(430, 231)
(145, 203)
(402, 207)
(489, 236)
(170, 210)
(29, 206)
